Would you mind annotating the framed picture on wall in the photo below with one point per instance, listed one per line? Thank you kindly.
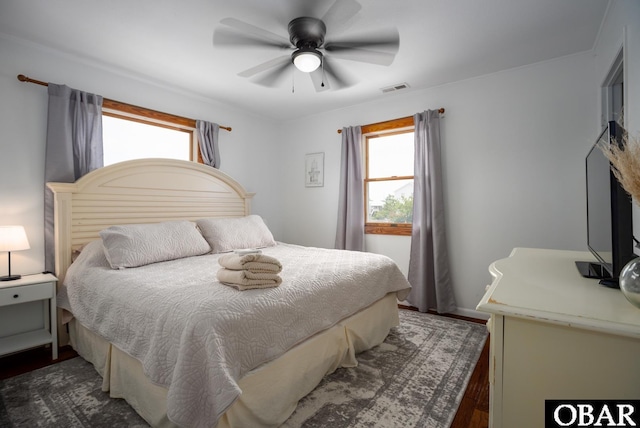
(314, 170)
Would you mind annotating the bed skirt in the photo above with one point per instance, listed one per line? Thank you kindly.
(270, 392)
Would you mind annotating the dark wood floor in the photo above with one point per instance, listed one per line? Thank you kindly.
(22, 362)
(474, 407)
(472, 413)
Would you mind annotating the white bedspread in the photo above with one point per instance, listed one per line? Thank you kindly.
(197, 337)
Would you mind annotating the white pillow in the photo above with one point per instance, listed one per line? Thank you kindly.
(228, 234)
(135, 245)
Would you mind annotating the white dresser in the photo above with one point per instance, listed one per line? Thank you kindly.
(556, 335)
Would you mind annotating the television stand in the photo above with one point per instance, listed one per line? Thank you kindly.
(592, 270)
(597, 270)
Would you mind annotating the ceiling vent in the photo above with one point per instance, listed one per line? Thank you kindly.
(394, 88)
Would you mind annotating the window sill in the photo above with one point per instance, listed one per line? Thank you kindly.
(387, 229)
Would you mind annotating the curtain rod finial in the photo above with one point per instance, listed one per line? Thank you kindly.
(23, 78)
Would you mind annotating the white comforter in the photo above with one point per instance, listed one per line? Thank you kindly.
(198, 337)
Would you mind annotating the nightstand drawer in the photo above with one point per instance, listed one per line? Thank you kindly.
(27, 293)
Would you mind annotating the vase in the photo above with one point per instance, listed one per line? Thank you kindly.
(630, 281)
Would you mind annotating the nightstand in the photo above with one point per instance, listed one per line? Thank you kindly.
(31, 288)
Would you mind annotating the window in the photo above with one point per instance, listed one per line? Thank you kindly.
(125, 139)
(131, 132)
(389, 178)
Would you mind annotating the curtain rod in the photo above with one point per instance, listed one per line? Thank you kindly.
(130, 108)
(440, 110)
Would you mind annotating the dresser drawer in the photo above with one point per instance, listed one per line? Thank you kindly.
(27, 293)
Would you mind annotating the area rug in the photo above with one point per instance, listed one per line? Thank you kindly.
(416, 378)
(67, 394)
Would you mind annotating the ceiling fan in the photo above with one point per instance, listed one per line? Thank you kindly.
(312, 52)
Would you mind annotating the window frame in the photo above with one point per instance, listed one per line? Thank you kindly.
(155, 118)
(376, 130)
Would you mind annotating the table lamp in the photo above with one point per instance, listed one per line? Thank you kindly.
(12, 238)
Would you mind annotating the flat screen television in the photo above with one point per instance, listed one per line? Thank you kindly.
(609, 223)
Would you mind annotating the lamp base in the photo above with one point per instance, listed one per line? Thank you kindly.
(10, 277)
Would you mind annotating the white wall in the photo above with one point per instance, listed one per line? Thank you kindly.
(248, 153)
(514, 144)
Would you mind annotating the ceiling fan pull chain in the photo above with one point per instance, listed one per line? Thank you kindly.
(322, 64)
(293, 81)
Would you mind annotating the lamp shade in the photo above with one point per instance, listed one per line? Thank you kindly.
(306, 59)
(13, 238)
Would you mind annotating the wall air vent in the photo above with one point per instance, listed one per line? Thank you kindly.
(394, 88)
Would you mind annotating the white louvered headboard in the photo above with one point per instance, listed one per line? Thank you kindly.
(140, 191)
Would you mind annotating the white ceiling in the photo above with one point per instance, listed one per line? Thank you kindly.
(170, 42)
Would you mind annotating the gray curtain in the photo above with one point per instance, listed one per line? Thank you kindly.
(73, 147)
(350, 231)
(208, 140)
(429, 260)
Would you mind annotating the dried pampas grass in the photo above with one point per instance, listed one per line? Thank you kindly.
(625, 163)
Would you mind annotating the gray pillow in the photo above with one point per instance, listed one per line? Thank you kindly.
(135, 245)
(228, 234)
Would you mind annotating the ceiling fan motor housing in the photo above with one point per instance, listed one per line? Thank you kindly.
(307, 32)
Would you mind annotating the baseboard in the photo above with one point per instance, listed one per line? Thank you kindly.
(461, 312)
(471, 313)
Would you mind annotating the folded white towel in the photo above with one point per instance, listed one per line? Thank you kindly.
(246, 280)
(254, 262)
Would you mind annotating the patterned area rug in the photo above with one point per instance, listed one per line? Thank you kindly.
(67, 394)
(416, 378)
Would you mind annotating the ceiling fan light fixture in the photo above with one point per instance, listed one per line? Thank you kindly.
(307, 59)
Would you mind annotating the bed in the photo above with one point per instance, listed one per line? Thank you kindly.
(203, 353)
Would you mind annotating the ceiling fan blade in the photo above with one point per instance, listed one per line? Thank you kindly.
(339, 14)
(275, 75)
(225, 37)
(388, 40)
(276, 62)
(374, 48)
(364, 55)
(338, 78)
(248, 29)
